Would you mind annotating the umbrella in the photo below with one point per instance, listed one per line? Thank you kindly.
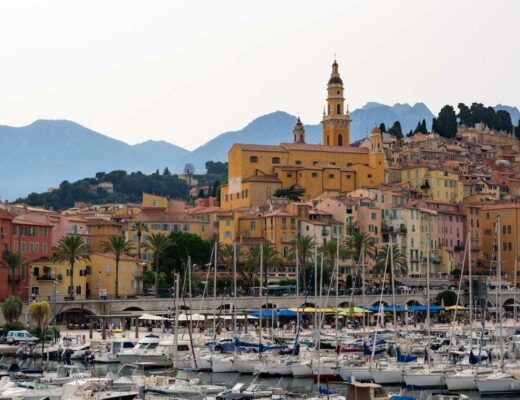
(151, 317)
(455, 307)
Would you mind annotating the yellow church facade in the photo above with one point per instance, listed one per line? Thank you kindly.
(331, 168)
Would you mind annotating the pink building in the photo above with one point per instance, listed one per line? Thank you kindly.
(450, 226)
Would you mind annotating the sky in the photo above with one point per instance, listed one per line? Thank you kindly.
(185, 71)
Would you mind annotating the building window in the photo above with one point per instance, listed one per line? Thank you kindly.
(314, 174)
(275, 160)
(78, 289)
(23, 247)
(284, 222)
(45, 232)
(186, 228)
(253, 225)
(289, 175)
(298, 162)
(253, 159)
(228, 222)
(369, 176)
(340, 139)
(315, 163)
(331, 176)
(227, 234)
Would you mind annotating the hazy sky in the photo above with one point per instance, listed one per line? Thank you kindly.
(186, 71)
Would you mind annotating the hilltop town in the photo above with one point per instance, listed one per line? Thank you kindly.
(444, 205)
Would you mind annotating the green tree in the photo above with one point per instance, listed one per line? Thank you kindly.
(39, 311)
(421, 127)
(270, 258)
(13, 262)
(446, 122)
(330, 251)
(12, 309)
(396, 130)
(166, 172)
(184, 244)
(399, 260)
(303, 245)
(72, 249)
(118, 246)
(359, 244)
(292, 193)
(139, 227)
(464, 115)
(157, 243)
(382, 127)
(503, 121)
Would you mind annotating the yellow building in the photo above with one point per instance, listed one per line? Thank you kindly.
(163, 215)
(99, 230)
(506, 219)
(92, 279)
(46, 273)
(435, 184)
(334, 167)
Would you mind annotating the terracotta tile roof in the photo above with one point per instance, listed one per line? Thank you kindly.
(101, 221)
(165, 217)
(501, 206)
(5, 215)
(320, 147)
(206, 210)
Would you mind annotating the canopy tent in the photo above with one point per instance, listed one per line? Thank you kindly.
(356, 311)
(229, 317)
(192, 317)
(385, 308)
(455, 307)
(273, 312)
(151, 317)
(433, 309)
(326, 310)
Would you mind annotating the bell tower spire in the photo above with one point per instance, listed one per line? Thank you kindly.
(299, 132)
(336, 122)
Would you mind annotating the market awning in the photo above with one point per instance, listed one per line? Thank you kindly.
(455, 307)
(276, 313)
(192, 317)
(151, 317)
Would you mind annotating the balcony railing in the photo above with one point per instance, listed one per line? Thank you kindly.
(49, 277)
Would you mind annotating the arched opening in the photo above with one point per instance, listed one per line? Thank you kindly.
(345, 304)
(413, 303)
(225, 306)
(75, 317)
(378, 303)
(327, 140)
(338, 109)
(183, 307)
(509, 304)
(340, 140)
(308, 305)
(268, 306)
(133, 309)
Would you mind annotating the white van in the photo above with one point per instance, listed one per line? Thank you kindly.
(20, 337)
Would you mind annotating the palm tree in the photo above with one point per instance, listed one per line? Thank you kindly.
(119, 246)
(13, 262)
(12, 308)
(72, 249)
(359, 244)
(330, 251)
(139, 227)
(399, 259)
(270, 257)
(304, 246)
(157, 243)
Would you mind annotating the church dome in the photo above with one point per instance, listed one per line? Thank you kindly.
(335, 80)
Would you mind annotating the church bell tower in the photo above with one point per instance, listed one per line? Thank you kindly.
(336, 121)
(299, 132)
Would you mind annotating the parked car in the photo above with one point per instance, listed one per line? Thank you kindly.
(15, 337)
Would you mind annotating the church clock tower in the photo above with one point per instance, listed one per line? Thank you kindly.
(336, 121)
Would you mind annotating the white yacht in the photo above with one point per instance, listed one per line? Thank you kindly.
(65, 374)
(108, 351)
(144, 346)
(500, 383)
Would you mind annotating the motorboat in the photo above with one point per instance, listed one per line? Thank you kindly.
(28, 390)
(426, 377)
(222, 363)
(98, 389)
(108, 352)
(251, 391)
(163, 385)
(144, 346)
(163, 354)
(64, 374)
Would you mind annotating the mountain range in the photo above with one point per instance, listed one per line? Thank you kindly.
(41, 155)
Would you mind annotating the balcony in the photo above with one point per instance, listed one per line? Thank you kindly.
(49, 277)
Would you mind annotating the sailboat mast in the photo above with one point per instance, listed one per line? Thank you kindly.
(363, 300)
(514, 295)
(498, 306)
(428, 288)
(235, 287)
(215, 291)
(470, 277)
(297, 291)
(393, 281)
(176, 337)
(261, 293)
